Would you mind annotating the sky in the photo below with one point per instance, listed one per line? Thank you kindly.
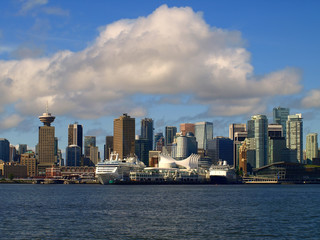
(172, 61)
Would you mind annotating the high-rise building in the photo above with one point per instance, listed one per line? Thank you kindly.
(29, 159)
(280, 116)
(275, 130)
(187, 127)
(236, 127)
(124, 135)
(88, 142)
(13, 153)
(258, 133)
(157, 137)
(108, 147)
(312, 147)
(221, 149)
(46, 143)
(170, 134)
(236, 133)
(203, 133)
(22, 148)
(4, 150)
(75, 135)
(142, 148)
(73, 156)
(294, 136)
(94, 155)
(147, 131)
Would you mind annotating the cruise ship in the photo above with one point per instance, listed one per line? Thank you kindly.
(116, 169)
(222, 173)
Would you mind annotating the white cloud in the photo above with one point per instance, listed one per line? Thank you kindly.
(10, 121)
(312, 99)
(30, 4)
(171, 52)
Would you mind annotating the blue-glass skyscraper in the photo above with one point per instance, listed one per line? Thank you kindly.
(280, 116)
(4, 149)
(73, 156)
(203, 132)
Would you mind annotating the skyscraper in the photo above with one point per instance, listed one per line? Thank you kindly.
(73, 156)
(170, 134)
(4, 149)
(280, 116)
(258, 135)
(237, 133)
(312, 146)
(294, 137)
(236, 127)
(124, 135)
(46, 143)
(22, 148)
(75, 135)
(221, 148)
(203, 132)
(147, 131)
(108, 147)
(88, 142)
(186, 127)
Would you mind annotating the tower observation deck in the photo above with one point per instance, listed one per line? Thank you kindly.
(47, 118)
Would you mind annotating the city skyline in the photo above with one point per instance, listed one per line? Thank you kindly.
(45, 47)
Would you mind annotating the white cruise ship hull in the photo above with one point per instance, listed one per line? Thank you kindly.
(107, 178)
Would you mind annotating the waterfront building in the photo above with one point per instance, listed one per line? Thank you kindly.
(294, 135)
(243, 159)
(10, 169)
(312, 147)
(277, 148)
(147, 131)
(221, 149)
(187, 127)
(203, 133)
(170, 133)
(239, 137)
(29, 159)
(46, 143)
(154, 157)
(258, 146)
(88, 142)
(280, 116)
(124, 135)
(75, 135)
(108, 147)
(73, 156)
(4, 150)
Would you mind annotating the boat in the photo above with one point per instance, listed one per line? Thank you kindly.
(222, 173)
(116, 169)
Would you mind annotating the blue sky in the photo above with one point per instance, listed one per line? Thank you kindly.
(173, 61)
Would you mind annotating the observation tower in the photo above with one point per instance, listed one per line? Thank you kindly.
(46, 117)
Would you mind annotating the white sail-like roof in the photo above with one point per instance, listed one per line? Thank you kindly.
(189, 163)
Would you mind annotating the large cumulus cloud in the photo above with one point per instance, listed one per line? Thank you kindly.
(171, 52)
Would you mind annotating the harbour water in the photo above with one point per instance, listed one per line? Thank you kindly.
(159, 211)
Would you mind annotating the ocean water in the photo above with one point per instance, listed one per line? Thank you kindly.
(159, 211)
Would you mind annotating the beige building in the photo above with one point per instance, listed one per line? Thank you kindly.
(29, 159)
(94, 154)
(124, 136)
